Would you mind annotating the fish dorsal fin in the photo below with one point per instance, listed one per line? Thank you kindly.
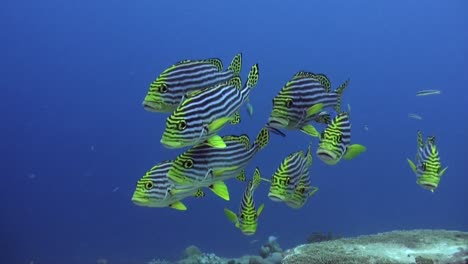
(339, 92)
(243, 139)
(236, 64)
(303, 74)
(252, 79)
(220, 189)
(430, 140)
(236, 82)
(183, 62)
(420, 139)
(216, 62)
(263, 138)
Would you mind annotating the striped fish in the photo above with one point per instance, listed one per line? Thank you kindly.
(185, 77)
(291, 182)
(301, 101)
(201, 116)
(247, 218)
(335, 141)
(428, 168)
(204, 165)
(155, 189)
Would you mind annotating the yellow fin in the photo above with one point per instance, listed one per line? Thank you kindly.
(310, 130)
(236, 82)
(231, 216)
(413, 167)
(216, 142)
(260, 209)
(178, 206)
(220, 189)
(235, 118)
(218, 123)
(236, 64)
(314, 109)
(353, 151)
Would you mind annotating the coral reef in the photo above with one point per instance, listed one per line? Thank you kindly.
(417, 246)
(317, 237)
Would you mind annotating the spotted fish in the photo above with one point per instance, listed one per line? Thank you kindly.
(155, 189)
(204, 165)
(301, 101)
(202, 115)
(428, 168)
(291, 182)
(335, 141)
(185, 77)
(247, 218)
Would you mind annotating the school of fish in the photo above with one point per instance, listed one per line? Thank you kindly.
(199, 98)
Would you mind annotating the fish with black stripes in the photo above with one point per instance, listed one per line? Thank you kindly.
(185, 77)
(203, 114)
(247, 218)
(428, 168)
(302, 100)
(335, 141)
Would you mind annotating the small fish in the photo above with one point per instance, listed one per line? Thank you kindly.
(186, 77)
(247, 218)
(428, 168)
(366, 127)
(428, 92)
(201, 116)
(415, 116)
(155, 189)
(204, 164)
(291, 182)
(335, 141)
(301, 101)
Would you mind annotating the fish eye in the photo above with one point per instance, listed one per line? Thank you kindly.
(288, 180)
(288, 103)
(182, 125)
(188, 164)
(242, 215)
(423, 166)
(322, 135)
(149, 185)
(163, 88)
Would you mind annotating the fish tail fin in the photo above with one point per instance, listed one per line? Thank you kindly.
(340, 91)
(236, 64)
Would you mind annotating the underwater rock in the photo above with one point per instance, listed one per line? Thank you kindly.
(191, 251)
(204, 258)
(397, 247)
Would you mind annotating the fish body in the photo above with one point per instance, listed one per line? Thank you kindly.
(428, 92)
(203, 114)
(185, 77)
(204, 165)
(428, 168)
(291, 182)
(301, 101)
(247, 218)
(155, 189)
(335, 141)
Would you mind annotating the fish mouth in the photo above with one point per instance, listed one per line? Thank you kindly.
(171, 144)
(429, 183)
(140, 200)
(156, 106)
(249, 232)
(277, 122)
(276, 197)
(327, 156)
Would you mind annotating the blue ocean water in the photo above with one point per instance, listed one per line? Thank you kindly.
(75, 138)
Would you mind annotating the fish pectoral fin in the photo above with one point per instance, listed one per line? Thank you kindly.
(218, 123)
(310, 130)
(220, 189)
(443, 171)
(178, 206)
(249, 108)
(231, 216)
(314, 109)
(413, 167)
(236, 118)
(260, 209)
(354, 151)
(216, 142)
(219, 172)
(313, 191)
